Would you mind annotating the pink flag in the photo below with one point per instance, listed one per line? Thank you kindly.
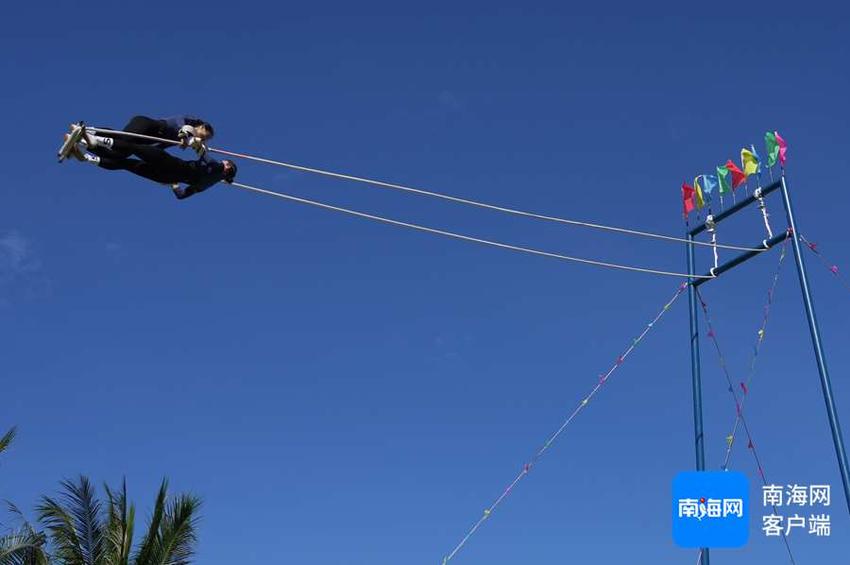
(783, 147)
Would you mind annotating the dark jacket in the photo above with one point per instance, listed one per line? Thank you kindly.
(206, 173)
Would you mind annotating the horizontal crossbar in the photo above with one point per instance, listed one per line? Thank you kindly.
(740, 205)
(767, 244)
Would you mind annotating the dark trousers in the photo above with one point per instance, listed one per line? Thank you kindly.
(146, 126)
(121, 148)
(151, 163)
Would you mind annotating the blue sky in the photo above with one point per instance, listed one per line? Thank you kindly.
(345, 392)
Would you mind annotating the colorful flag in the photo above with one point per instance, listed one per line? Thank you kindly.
(772, 147)
(757, 156)
(687, 199)
(783, 147)
(749, 162)
(738, 176)
(723, 180)
(709, 183)
(699, 200)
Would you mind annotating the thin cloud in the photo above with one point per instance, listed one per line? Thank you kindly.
(19, 268)
(16, 257)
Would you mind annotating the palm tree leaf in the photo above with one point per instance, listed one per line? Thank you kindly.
(75, 525)
(171, 536)
(23, 547)
(7, 439)
(178, 534)
(148, 546)
(13, 509)
(63, 534)
(119, 534)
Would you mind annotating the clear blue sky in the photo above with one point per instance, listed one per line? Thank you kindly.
(342, 392)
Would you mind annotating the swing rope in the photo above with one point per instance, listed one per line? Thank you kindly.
(428, 193)
(454, 235)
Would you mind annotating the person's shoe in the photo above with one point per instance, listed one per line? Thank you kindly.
(70, 141)
(92, 140)
(89, 158)
(78, 152)
(74, 150)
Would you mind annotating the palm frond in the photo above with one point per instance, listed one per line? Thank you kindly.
(7, 439)
(148, 546)
(75, 525)
(61, 530)
(178, 533)
(13, 509)
(23, 547)
(119, 529)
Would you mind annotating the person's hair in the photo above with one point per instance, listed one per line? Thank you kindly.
(228, 177)
(208, 127)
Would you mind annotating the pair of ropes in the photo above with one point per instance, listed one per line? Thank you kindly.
(454, 199)
(739, 401)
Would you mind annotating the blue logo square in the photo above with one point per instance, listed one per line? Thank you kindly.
(711, 509)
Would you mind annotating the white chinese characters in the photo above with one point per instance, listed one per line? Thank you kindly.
(710, 508)
(796, 495)
(777, 496)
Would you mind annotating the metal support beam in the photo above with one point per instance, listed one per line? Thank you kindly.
(696, 378)
(739, 206)
(814, 329)
(743, 257)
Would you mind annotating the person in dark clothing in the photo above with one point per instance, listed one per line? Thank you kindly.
(155, 164)
(187, 130)
(175, 128)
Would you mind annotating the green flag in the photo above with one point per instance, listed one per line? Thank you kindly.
(772, 148)
(723, 180)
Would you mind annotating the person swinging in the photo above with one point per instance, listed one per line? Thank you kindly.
(152, 162)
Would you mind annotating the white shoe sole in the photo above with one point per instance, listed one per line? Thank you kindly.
(71, 141)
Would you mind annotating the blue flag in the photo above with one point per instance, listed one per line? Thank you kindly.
(709, 183)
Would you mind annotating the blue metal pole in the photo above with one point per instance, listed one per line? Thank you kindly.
(814, 329)
(695, 374)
